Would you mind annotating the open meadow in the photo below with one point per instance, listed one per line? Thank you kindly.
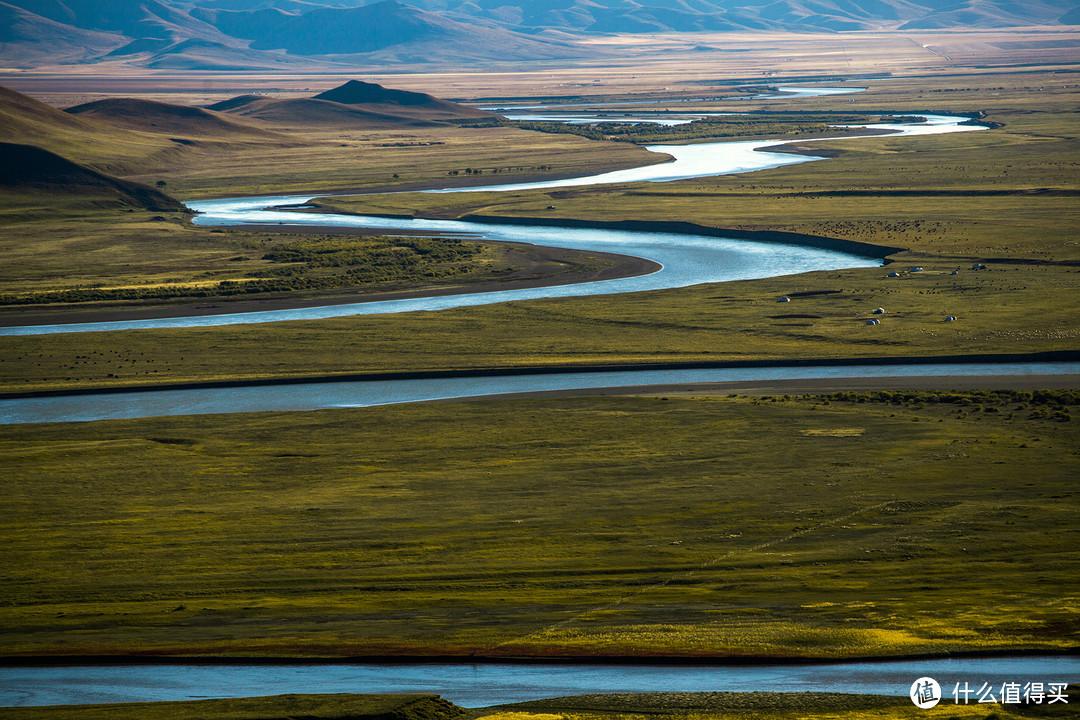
(684, 706)
(892, 524)
(1004, 197)
(697, 524)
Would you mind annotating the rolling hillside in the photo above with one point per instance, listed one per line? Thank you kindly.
(379, 99)
(25, 169)
(165, 118)
(355, 104)
(124, 136)
(26, 121)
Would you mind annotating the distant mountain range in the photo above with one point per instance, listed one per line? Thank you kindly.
(268, 34)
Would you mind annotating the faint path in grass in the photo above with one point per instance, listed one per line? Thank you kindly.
(689, 573)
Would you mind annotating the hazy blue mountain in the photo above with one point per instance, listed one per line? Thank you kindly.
(255, 34)
(28, 39)
(385, 25)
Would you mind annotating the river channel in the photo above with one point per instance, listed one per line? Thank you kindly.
(485, 684)
(368, 393)
(685, 259)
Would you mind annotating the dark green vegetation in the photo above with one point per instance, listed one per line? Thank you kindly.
(311, 263)
(772, 125)
(696, 706)
(849, 526)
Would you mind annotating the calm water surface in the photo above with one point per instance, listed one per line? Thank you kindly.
(314, 396)
(686, 259)
(479, 685)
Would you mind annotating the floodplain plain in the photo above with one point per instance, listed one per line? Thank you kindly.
(806, 526)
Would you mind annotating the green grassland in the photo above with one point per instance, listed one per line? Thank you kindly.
(216, 154)
(814, 527)
(1004, 197)
(1004, 309)
(694, 526)
(767, 705)
(140, 258)
(1007, 192)
(98, 259)
(767, 124)
(685, 706)
(375, 158)
(313, 707)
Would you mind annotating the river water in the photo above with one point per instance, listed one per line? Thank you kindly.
(484, 684)
(368, 393)
(685, 259)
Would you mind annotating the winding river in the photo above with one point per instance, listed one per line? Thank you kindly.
(685, 259)
(368, 393)
(484, 684)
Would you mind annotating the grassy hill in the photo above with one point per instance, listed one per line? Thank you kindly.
(25, 169)
(373, 96)
(165, 118)
(84, 139)
(308, 112)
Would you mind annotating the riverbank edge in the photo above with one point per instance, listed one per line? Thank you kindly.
(1046, 356)
(625, 266)
(620, 267)
(688, 228)
(149, 658)
(677, 227)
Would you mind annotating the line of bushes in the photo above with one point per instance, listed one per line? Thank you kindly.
(316, 263)
(1043, 404)
(710, 127)
(967, 397)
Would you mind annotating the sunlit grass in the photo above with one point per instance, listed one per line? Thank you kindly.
(610, 526)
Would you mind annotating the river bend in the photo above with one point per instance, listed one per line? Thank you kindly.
(685, 259)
